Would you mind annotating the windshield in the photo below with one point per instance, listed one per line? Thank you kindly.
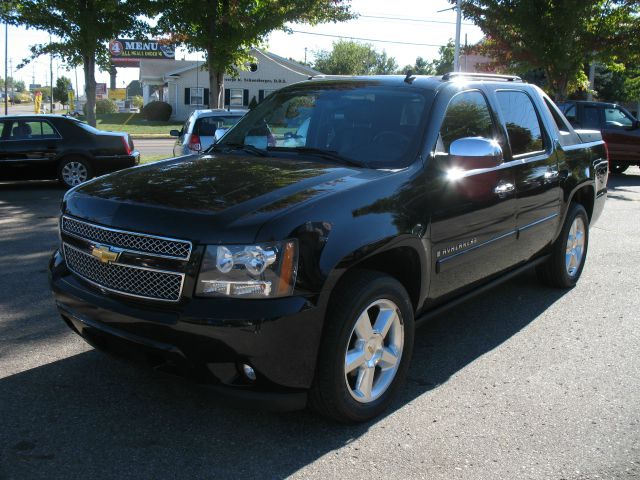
(362, 122)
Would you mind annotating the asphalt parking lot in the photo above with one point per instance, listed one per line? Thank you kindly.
(525, 382)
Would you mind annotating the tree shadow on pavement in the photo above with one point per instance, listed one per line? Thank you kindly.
(90, 416)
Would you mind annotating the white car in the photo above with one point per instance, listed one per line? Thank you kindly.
(202, 129)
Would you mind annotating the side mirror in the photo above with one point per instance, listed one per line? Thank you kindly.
(174, 133)
(470, 153)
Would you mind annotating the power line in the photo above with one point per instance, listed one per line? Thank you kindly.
(369, 39)
(419, 20)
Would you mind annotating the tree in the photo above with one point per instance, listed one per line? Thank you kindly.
(353, 58)
(558, 36)
(9, 81)
(61, 90)
(444, 63)
(226, 29)
(19, 86)
(81, 30)
(420, 67)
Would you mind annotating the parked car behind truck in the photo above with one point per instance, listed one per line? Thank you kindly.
(202, 129)
(620, 129)
(46, 147)
(293, 271)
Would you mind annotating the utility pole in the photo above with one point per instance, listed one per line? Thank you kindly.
(51, 78)
(305, 55)
(592, 80)
(77, 87)
(13, 82)
(456, 55)
(6, 58)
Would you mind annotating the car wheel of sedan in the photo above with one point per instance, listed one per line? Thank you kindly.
(73, 171)
(564, 266)
(366, 348)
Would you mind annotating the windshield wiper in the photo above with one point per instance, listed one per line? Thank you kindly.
(237, 146)
(328, 154)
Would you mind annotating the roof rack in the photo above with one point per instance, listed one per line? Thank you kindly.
(488, 76)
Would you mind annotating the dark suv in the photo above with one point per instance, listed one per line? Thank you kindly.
(289, 262)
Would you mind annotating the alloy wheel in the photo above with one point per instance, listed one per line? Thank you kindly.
(74, 173)
(575, 246)
(374, 351)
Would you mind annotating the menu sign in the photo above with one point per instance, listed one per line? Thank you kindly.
(127, 53)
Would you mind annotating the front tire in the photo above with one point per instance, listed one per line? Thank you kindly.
(73, 171)
(564, 266)
(366, 348)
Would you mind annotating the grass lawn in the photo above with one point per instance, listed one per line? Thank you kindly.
(133, 123)
(153, 158)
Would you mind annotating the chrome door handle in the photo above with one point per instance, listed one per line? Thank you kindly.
(503, 189)
(551, 174)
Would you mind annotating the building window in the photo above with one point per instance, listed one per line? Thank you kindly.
(197, 96)
(236, 97)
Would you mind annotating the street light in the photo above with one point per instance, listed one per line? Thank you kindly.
(6, 61)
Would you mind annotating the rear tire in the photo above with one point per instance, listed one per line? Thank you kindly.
(618, 168)
(74, 171)
(569, 252)
(366, 348)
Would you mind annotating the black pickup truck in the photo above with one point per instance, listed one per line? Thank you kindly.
(291, 262)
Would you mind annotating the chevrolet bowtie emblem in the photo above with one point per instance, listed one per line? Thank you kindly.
(104, 254)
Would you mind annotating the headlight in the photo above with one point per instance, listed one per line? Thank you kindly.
(255, 271)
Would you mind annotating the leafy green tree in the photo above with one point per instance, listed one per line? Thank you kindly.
(61, 90)
(9, 81)
(353, 58)
(444, 63)
(420, 67)
(137, 101)
(557, 36)
(227, 29)
(81, 30)
(19, 86)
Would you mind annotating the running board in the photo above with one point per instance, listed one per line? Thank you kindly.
(429, 315)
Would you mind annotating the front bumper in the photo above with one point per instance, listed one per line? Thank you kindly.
(207, 340)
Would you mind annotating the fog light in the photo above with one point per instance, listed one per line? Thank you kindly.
(249, 372)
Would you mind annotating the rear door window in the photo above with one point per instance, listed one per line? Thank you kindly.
(32, 130)
(522, 122)
(591, 118)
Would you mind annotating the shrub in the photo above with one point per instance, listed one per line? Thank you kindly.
(137, 101)
(103, 106)
(157, 111)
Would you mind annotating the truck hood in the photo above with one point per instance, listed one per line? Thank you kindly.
(211, 198)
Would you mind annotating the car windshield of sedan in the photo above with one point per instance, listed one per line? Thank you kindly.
(363, 123)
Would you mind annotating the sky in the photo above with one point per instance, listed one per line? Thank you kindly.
(407, 21)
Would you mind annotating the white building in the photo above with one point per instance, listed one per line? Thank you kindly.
(185, 84)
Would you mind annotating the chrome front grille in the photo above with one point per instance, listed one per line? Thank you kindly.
(134, 242)
(125, 279)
